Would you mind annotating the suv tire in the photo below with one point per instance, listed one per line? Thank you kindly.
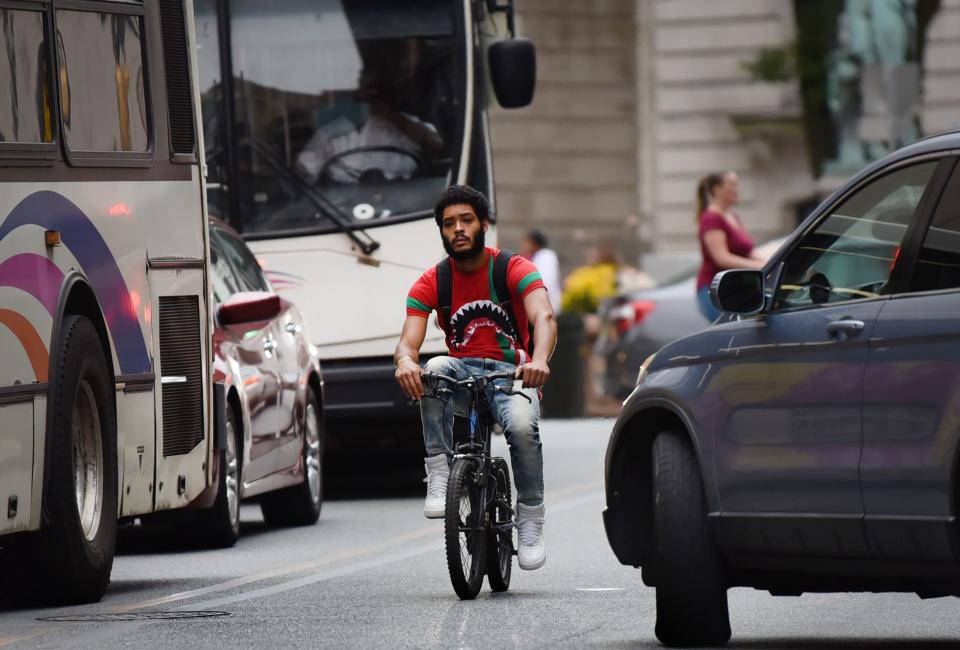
(691, 594)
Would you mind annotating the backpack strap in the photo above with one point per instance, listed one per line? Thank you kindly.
(505, 296)
(444, 294)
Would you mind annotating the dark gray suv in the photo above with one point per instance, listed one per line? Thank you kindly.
(809, 441)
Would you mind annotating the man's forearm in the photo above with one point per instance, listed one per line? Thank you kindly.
(544, 337)
(405, 352)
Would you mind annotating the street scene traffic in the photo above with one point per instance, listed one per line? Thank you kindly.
(363, 323)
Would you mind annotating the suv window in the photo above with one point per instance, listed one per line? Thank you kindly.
(26, 106)
(249, 275)
(102, 88)
(938, 264)
(849, 255)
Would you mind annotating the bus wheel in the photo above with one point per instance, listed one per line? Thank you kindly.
(80, 505)
(300, 505)
(220, 525)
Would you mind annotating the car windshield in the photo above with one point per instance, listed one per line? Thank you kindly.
(361, 99)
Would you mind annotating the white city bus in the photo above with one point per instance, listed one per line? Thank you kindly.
(331, 126)
(104, 322)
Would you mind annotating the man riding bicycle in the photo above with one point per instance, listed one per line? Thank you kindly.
(486, 332)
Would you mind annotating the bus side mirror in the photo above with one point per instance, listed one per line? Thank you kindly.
(513, 71)
(249, 307)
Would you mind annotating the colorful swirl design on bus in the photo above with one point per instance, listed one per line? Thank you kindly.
(282, 280)
(41, 278)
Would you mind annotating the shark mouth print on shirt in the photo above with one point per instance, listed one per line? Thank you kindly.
(476, 315)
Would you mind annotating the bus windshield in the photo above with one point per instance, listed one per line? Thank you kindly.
(359, 99)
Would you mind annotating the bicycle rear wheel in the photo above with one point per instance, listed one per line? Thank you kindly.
(464, 530)
(500, 544)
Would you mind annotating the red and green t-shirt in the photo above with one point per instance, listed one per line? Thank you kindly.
(479, 327)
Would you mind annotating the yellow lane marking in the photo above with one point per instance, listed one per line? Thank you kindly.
(14, 639)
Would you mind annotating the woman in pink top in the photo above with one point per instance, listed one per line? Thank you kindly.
(724, 241)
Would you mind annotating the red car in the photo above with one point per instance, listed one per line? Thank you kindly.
(273, 422)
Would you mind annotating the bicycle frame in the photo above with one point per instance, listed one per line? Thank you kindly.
(477, 448)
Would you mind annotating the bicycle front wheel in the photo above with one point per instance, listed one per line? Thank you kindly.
(464, 530)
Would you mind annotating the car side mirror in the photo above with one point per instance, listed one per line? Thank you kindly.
(739, 291)
(249, 307)
(513, 71)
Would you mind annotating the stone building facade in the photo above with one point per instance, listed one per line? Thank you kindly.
(568, 163)
(638, 99)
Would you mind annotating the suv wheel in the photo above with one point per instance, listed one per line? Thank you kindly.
(691, 594)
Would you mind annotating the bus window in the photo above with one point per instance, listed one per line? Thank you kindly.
(102, 86)
(26, 109)
(359, 99)
(208, 76)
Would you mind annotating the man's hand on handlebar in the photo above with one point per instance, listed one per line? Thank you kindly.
(534, 374)
(408, 376)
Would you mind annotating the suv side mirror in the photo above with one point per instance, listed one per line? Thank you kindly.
(513, 71)
(249, 307)
(739, 291)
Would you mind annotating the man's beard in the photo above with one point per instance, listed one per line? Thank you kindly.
(478, 245)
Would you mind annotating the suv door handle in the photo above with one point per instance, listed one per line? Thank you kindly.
(845, 328)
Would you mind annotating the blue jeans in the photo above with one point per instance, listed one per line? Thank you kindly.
(706, 307)
(519, 419)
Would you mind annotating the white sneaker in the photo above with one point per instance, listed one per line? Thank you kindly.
(532, 552)
(438, 472)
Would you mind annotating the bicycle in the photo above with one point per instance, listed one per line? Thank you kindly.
(478, 522)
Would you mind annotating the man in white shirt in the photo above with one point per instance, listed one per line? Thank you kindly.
(535, 248)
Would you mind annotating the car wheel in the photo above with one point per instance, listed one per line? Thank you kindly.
(691, 594)
(300, 504)
(220, 524)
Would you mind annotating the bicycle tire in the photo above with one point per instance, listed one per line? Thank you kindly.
(500, 545)
(465, 549)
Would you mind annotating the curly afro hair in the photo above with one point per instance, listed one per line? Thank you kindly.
(456, 194)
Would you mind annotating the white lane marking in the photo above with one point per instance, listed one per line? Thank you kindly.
(274, 573)
(357, 567)
(307, 566)
(320, 576)
(97, 638)
(601, 589)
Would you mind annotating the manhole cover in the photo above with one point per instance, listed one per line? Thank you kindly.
(132, 616)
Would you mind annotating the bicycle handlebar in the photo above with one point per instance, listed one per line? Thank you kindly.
(432, 378)
(507, 374)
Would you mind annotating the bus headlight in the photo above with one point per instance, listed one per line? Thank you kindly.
(643, 368)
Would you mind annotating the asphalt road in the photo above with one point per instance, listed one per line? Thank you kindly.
(372, 574)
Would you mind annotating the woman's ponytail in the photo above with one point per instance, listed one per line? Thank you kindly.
(705, 191)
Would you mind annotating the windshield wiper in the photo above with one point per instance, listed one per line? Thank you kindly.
(358, 236)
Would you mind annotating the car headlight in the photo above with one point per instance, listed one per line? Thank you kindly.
(643, 368)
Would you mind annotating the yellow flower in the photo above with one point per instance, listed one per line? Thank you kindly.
(587, 286)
